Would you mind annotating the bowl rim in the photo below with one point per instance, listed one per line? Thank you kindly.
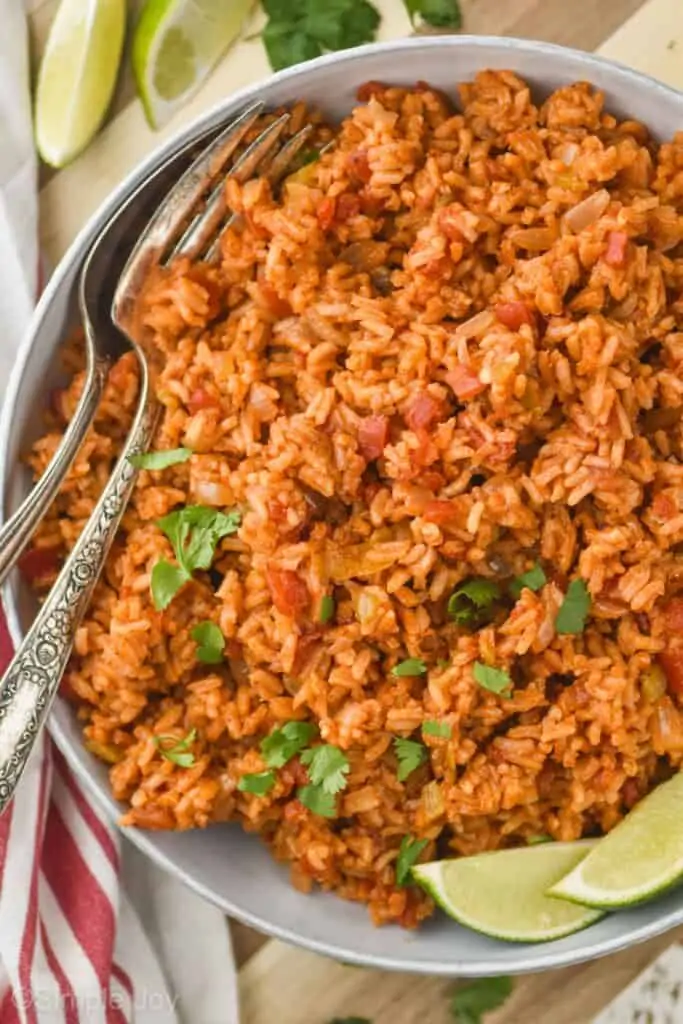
(532, 957)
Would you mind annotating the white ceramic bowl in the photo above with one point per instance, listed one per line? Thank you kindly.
(224, 864)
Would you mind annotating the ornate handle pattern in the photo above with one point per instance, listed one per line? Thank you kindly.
(18, 530)
(30, 683)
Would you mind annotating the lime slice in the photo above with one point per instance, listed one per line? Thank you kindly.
(639, 858)
(175, 46)
(77, 76)
(502, 894)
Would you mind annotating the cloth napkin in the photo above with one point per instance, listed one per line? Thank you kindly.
(90, 931)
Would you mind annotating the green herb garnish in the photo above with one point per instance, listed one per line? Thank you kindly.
(326, 608)
(573, 612)
(537, 840)
(210, 642)
(534, 579)
(409, 850)
(478, 997)
(409, 667)
(175, 750)
(472, 603)
(440, 729)
(194, 532)
(437, 13)
(496, 680)
(284, 743)
(160, 460)
(410, 754)
(298, 30)
(327, 766)
(350, 1020)
(258, 783)
(317, 800)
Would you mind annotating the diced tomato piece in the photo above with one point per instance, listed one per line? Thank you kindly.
(673, 617)
(464, 383)
(348, 206)
(277, 511)
(615, 253)
(514, 314)
(279, 307)
(372, 436)
(358, 165)
(289, 592)
(371, 204)
(369, 89)
(201, 399)
(423, 410)
(672, 663)
(39, 563)
(326, 212)
(440, 511)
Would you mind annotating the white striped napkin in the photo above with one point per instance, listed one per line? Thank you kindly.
(72, 948)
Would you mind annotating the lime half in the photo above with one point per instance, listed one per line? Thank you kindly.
(639, 858)
(175, 46)
(77, 76)
(503, 894)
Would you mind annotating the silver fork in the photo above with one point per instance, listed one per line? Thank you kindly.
(189, 222)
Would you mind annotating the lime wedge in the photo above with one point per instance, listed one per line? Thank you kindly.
(77, 76)
(175, 46)
(502, 894)
(639, 858)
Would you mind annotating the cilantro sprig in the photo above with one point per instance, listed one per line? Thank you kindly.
(194, 532)
(286, 742)
(210, 642)
(473, 1000)
(435, 13)
(573, 612)
(175, 750)
(471, 604)
(409, 667)
(409, 850)
(328, 767)
(495, 680)
(410, 754)
(442, 730)
(534, 579)
(298, 30)
(258, 783)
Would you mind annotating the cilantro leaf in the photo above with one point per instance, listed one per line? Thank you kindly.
(409, 850)
(534, 579)
(409, 667)
(167, 579)
(175, 750)
(283, 743)
(537, 840)
(258, 783)
(302, 29)
(573, 612)
(326, 608)
(411, 754)
(160, 460)
(194, 532)
(437, 13)
(210, 642)
(317, 800)
(287, 44)
(471, 604)
(496, 680)
(440, 729)
(328, 767)
(478, 997)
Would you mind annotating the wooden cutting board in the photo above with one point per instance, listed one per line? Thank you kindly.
(280, 984)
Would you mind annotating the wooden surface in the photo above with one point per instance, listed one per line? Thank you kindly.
(281, 984)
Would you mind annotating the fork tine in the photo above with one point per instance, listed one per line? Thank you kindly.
(170, 218)
(207, 222)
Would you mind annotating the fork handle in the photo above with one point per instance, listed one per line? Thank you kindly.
(19, 528)
(30, 683)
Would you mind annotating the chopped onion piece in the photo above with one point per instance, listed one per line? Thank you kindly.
(587, 211)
